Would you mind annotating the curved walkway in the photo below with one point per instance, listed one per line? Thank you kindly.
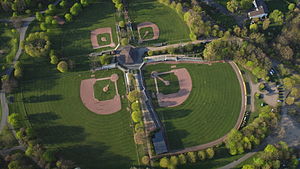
(237, 125)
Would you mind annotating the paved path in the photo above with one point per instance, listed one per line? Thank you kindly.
(5, 152)
(237, 125)
(180, 44)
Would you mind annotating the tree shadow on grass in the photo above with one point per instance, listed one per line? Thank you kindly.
(173, 113)
(58, 134)
(95, 156)
(175, 136)
(43, 118)
(42, 98)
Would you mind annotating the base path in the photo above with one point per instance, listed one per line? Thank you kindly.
(95, 105)
(185, 85)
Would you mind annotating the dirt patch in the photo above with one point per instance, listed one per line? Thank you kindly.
(95, 105)
(94, 38)
(175, 99)
(155, 30)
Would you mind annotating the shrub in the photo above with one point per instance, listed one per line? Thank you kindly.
(84, 3)
(145, 160)
(124, 41)
(290, 100)
(122, 24)
(171, 50)
(261, 86)
(62, 66)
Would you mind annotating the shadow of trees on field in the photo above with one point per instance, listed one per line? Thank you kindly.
(43, 118)
(58, 134)
(169, 113)
(42, 98)
(175, 136)
(95, 155)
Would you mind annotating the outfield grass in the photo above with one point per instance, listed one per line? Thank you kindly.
(100, 94)
(73, 39)
(63, 122)
(172, 28)
(211, 110)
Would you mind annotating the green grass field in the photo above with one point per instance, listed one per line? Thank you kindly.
(8, 43)
(63, 122)
(172, 28)
(73, 39)
(100, 94)
(211, 110)
(106, 36)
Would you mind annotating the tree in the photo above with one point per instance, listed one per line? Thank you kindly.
(171, 50)
(124, 41)
(15, 165)
(266, 24)
(248, 166)
(254, 27)
(277, 16)
(164, 162)
(122, 24)
(105, 59)
(289, 83)
(37, 44)
(291, 6)
(136, 116)
(63, 4)
(234, 142)
(192, 157)
(18, 73)
(290, 100)
(39, 16)
(135, 106)
(202, 155)
(75, 9)
(295, 92)
(84, 3)
(179, 8)
(68, 17)
(145, 160)
(133, 96)
(210, 153)
(62, 66)
(182, 159)
(15, 120)
(174, 160)
(150, 52)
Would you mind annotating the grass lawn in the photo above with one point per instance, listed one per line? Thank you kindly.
(172, 88)
(172, 28)
(8, 43)
(63, 122)
(73, 39)
(211, 110)
(146, 33)
(100, 94)
(105, 42)
(281, 5)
